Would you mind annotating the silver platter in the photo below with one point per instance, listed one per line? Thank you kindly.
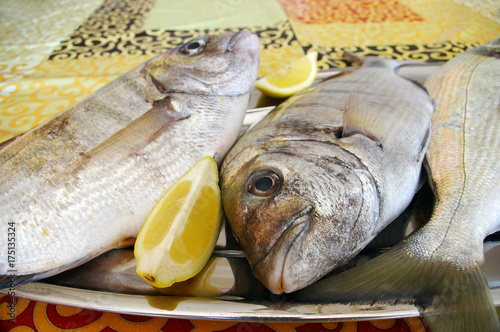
(225, 289)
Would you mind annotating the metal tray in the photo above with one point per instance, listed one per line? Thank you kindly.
(226, 288)
(240, 296)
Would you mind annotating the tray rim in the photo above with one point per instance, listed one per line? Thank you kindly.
(213, 308)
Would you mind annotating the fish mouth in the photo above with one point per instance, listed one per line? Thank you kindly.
(241, 38)
(243, 42)
(270, 270)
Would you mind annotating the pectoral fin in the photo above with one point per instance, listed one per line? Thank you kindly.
(359, 119)
(132, 138)
(139, 132)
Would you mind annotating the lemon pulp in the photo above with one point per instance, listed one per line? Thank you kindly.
(179, 235)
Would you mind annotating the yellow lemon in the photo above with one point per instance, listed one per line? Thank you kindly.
(290, 79)
(179, 235)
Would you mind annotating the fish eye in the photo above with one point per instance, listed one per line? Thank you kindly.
(194, 47)
(264, 183)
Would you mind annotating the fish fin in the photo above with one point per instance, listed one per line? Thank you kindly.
(132, 138)
(323, 77)
(139, 132)
(13, 146)
(356, 59)
(10, 149)
(462, 302)
(419, 85)
(491, 49)
(375, 61)
(449, 298)
(371, 61)
(425, 144)
(358, 117)
(7, 142)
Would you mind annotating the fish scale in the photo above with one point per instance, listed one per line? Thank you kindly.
(84, 182)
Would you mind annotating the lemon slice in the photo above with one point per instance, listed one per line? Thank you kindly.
(179, 235)
(290, 79)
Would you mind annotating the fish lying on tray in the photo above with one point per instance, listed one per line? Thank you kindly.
(440, 267)
(311, 184)
(84, 182)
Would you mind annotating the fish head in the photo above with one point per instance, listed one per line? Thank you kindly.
(224, 65)
(297, 214)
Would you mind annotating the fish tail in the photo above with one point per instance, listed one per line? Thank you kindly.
(461, 302)
(450, 298)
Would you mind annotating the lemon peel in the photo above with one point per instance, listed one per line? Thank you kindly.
(290, 79)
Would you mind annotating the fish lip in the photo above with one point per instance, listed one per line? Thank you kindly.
(276, 258)
(240, 37)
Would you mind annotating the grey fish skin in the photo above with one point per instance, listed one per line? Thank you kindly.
(440, 266)
(85, 182)
(319, 177)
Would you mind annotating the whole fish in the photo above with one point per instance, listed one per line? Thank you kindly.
(440, 266)
(85, 182)
(313, 182)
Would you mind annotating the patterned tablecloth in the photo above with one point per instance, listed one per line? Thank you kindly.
(54, 53)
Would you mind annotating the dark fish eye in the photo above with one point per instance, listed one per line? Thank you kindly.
(264, 183)
(193, 47)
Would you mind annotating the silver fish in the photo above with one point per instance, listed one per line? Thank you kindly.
(440, 266)
(84, 183)
(312, 183)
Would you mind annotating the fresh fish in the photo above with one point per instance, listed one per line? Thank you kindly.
(312, 183)
(84, 182)
(440, 266)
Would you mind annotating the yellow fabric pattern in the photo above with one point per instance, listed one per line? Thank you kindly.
(54, 86)
(195, 14)
(116, 34)
(364, 23)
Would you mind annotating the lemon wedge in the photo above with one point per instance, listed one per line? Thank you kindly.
(179, 235)
(290, 79)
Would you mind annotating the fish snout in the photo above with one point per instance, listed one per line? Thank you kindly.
(243, 39)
